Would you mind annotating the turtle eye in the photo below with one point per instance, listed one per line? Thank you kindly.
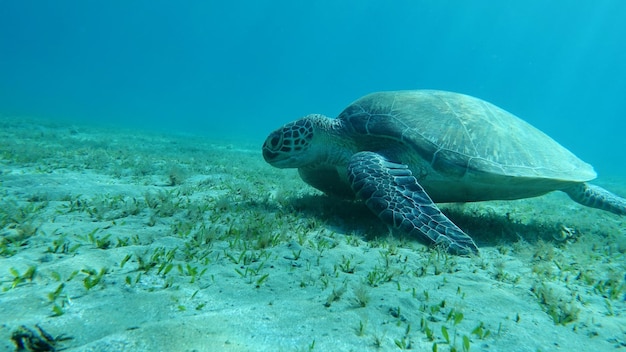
(274, 141)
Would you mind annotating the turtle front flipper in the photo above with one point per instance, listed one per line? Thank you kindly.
(391, 192)
(597, 197)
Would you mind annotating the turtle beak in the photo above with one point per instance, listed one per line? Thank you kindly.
(268, 155)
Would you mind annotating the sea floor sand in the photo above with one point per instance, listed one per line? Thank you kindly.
(126, 240)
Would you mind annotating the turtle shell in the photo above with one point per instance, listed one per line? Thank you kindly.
(457, 134)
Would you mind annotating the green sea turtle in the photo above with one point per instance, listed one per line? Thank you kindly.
(402, 151)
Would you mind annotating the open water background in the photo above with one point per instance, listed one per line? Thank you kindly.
(239, 69)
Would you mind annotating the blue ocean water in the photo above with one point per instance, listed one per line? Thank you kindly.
(242, 68)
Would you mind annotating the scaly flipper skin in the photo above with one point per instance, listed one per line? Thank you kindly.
(394, 195)
(597, 197)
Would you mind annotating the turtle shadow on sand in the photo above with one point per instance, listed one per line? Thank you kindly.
(337, 213)
(488, 227)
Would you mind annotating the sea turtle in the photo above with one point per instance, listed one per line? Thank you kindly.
(402, 151)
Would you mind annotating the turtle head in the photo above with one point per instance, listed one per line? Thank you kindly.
(293, 145)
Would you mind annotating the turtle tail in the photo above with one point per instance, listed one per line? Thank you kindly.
(597, 197)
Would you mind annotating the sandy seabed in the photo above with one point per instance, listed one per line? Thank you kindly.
(128, 240)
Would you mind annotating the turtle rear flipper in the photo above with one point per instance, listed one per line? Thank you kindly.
(394, 195)
(597, 197)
